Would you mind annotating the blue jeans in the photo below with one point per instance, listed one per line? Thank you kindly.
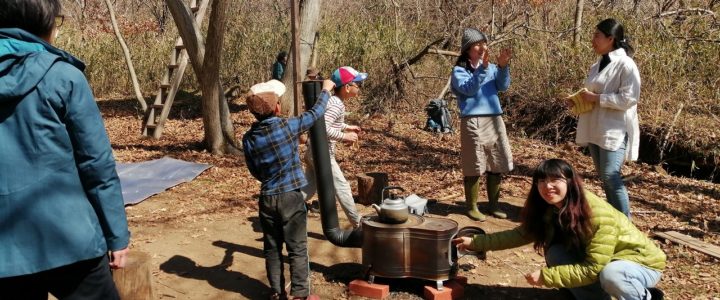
(622, 279)
(608, 164)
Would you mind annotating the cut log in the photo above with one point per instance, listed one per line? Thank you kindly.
(370, 187)
(135, 280)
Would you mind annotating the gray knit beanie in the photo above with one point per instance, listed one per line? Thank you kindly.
(471, 36)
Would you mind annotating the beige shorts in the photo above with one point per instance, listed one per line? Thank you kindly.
(484, 146)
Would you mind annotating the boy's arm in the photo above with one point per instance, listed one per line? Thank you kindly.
(307, 119)
(248, 161)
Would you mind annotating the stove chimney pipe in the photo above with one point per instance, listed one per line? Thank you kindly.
(325, 189)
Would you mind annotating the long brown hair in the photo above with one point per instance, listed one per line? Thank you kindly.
(573, 217)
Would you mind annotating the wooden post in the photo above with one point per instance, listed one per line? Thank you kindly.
(135, 280)
(370, 187)
(297, 76)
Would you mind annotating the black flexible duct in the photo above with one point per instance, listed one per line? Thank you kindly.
(325, 188)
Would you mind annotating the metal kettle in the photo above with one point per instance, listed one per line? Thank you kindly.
(393, 210)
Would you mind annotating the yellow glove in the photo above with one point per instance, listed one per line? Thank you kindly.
(580, 106)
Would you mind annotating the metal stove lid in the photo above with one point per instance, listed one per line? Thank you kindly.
(374, 221)
(438, 224)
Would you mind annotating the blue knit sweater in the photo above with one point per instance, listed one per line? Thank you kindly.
(477, 92)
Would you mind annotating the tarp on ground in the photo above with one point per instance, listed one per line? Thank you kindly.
(141, 180)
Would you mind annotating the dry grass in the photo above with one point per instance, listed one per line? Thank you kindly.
(370, 35)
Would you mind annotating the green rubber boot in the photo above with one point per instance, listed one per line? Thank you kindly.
(493, 193)
(472, 184)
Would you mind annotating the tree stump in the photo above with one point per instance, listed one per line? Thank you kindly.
(370, 187)
(135, 280)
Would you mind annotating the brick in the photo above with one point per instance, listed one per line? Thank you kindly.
(451, 290)
(370, 290)
(462, 280)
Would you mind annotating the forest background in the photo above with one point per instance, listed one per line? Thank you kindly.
(202, 234)
(677, 50)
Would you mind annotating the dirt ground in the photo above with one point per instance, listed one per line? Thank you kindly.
(205, 241)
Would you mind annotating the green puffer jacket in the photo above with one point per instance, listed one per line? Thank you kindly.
(614, 238)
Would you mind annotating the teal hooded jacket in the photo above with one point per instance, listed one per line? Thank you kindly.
(60, 197)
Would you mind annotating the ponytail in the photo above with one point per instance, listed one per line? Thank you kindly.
(625, 44)
(613, 28)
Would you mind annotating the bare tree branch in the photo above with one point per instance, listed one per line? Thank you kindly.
(698, 11)
(128, 59)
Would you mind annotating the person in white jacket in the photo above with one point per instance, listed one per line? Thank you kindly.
(610, 130)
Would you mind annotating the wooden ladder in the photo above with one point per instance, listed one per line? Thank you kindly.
(157, 113)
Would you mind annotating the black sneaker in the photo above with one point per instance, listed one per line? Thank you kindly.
(313, 207)
(656, 293)
(277, 296)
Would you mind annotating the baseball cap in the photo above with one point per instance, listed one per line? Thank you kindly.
(344, 75)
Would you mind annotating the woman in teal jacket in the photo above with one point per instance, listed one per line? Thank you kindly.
(484, 145)
(590, 247)
(61, 207)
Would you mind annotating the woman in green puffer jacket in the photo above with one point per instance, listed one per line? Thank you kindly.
(590, 247)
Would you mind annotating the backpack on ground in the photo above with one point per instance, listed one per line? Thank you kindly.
(438, 116)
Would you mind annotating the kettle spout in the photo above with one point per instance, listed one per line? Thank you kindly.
(377, 208)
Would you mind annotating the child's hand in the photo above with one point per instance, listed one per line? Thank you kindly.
(350, 137)
(462, 243)
(353, 128)
(328, 85)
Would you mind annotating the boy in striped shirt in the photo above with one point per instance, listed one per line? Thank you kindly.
(347, 85)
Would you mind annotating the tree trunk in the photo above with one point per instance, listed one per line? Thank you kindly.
(309, 21)
(212, 92)
(126, 53)
(219, 133)
(578, 21)
(316, 42)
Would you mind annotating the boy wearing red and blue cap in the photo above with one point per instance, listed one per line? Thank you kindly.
(347, 85)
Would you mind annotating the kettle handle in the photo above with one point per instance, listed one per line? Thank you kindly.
(382, 193)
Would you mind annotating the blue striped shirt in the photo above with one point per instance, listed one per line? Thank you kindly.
(271, 149)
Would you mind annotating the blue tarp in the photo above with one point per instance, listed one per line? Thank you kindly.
(144, 179)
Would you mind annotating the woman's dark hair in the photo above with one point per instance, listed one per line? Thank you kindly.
(613, 28)
(463, 61)
(281, 55)
(34, 16)
(573, 217)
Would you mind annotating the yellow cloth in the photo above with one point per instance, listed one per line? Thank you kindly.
(580, 106)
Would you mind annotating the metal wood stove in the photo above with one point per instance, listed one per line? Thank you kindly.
(419, 248)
